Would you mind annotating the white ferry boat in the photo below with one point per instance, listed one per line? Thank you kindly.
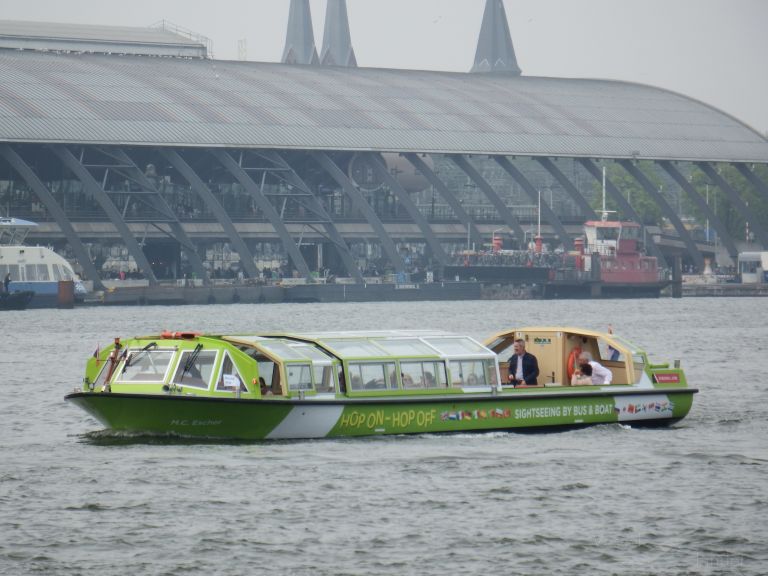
(32, 268)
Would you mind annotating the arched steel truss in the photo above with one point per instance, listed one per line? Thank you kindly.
(504, 212)
(650, 189)
(702, 205)
(333, 170)
(41, 190)
(240, 173)
(533, 194)
(209, 199)
(90, 184)
(447, 195)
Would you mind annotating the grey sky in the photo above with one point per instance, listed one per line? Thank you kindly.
(712, 50)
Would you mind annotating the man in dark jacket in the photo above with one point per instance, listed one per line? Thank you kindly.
(523, 366)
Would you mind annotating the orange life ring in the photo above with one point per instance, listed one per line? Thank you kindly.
(573, 359)
(168, 335)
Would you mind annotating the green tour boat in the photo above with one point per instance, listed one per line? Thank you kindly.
(324, 385)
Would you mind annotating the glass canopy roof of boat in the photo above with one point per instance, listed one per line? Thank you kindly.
(288, 350)
(422, 344)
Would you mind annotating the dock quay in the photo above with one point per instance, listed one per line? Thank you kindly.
(272, 294)
(726, 290)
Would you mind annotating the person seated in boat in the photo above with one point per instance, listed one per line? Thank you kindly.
(265, 390)
(600, 374)
(407, 380)
(428, 380)
(523, 366)
(582, 376)
(375, 384)
(472, 380)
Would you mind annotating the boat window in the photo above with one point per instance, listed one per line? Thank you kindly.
(198, 373)
(639, 364)
(101, 378)
(406, 347)
(56, 272)
(66, 273)
(423, 375)
(229, 377)
(266, 368)
(355, 348)
(469, 373)
(608, 352)
(31, 270)
(325, 378)
(453, 346)
(143, 365)
(13, 270)
(500, 344)
(42, 272)
(372, 376)
(299, 377)
(608, 233)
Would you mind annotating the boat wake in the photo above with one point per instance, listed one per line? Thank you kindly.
(126, 438)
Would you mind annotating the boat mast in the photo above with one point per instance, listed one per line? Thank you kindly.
(604, 214)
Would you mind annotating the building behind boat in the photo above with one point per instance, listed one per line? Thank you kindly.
(145, 161)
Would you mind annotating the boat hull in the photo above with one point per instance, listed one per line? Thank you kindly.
(285, 419)
(16, 300)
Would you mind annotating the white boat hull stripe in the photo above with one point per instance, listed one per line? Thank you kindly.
(307, 422)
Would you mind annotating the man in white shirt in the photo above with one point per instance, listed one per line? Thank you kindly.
(600, 374)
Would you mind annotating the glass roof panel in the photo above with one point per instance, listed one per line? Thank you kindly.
(407, 347)
(355, 348)
(457, 346)
(311, 352)
(282, 349)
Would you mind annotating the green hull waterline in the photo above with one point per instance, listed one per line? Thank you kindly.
(284, 419)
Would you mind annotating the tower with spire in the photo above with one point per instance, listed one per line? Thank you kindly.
(495, 52)
(300, 39)
(337, 44)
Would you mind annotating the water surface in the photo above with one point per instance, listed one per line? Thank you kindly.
(690, 499)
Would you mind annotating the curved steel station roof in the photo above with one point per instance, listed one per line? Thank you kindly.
(141, 100)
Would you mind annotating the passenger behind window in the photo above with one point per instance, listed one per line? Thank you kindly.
(429, 380)
(265, 391)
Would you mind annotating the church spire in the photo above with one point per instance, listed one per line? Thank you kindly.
(495, 52)
(300, 40)
(337, 45)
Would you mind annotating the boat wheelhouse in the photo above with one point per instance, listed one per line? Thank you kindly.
(620, 258)
(274, 386)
